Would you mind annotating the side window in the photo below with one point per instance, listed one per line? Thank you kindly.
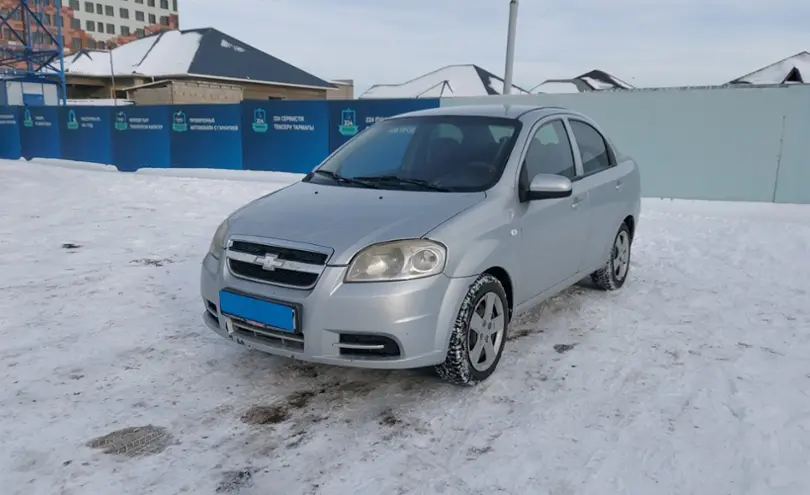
(550, 152)
(592, 147)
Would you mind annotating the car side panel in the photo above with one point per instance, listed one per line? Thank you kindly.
(480, 238)
(609, 191)
(607, 205)
(553, 234)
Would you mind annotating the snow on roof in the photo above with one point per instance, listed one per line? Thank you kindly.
(594, 80)
(165, 53)
(794, 69)
(203, 52)
(453, 80)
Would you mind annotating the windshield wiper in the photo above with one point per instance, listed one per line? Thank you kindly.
(403, 180)
(345, 180)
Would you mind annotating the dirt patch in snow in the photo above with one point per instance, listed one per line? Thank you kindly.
(278, 413)
(233, 481)
(388, 418)
(152, 262)
(562, 348)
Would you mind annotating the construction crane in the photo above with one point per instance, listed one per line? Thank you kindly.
(31, 42)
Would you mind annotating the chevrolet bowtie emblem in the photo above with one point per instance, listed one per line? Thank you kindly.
(269, 262)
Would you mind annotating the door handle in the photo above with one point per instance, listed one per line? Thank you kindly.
(576, 203)
(619, 185)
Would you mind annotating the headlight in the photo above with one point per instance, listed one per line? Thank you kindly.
(217, 247)
(398, 260)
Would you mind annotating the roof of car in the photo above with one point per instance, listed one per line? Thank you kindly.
(491, 110)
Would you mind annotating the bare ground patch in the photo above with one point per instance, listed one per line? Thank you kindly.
(233, 481)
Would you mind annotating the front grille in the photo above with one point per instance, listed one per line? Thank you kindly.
(278, 276)
(301, 271)
(283, 253)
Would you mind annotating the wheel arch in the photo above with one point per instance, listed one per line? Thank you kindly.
(506, 281)
(630, 221)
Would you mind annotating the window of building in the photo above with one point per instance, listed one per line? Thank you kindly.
(109, 10)
(91, 44)
(174, 5)
(164, 4)
(139, 32)
(89, 25)
(150, 3)
(139, 16)
(164, 20)
(138, 1)
(75, 23)
(99, 8)
(124, 13)
(110, 28)
(152, 19)
(125, 30)
(89, 7)
(74, 4)
(76, 44)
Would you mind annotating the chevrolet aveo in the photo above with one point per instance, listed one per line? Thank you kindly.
(416, 242)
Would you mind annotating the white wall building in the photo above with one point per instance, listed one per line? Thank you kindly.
(107, 19)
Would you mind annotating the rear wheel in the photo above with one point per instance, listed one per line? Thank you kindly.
(615, 271)
(479, 334)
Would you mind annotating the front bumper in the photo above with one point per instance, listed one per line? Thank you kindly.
(418, 315)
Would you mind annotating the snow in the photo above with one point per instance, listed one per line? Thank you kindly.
(104, 102)
(164, 54)
(453, 80)
(692, 379)
(776, 73)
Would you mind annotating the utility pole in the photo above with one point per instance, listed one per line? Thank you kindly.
(112, 73)
(510, 47)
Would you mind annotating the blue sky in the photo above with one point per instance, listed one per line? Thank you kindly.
(646, 43)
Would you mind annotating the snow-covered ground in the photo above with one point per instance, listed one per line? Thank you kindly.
(693, 379)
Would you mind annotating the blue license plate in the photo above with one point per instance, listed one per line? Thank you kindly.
(278, 316)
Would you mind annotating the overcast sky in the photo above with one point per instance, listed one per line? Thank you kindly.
(644, 42)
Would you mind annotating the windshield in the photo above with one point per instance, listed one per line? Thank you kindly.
(436, 153)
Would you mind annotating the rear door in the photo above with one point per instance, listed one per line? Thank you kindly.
(553, 231)
(603, 182)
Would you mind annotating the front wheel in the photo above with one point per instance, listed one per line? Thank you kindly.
(614, 273)
(478, 335)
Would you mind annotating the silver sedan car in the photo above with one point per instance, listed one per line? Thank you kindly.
(416, 242)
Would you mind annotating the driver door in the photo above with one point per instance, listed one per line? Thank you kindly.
(553, 231)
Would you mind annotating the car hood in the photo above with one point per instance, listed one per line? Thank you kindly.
(347, 219)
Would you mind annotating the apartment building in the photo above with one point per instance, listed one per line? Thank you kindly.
(114, 22)
(89, 25)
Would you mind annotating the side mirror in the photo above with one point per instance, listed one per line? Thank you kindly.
(548, 186)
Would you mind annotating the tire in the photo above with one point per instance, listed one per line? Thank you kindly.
(615, 271)
(458, 367)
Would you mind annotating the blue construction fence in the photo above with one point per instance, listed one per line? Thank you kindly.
(284, 136)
